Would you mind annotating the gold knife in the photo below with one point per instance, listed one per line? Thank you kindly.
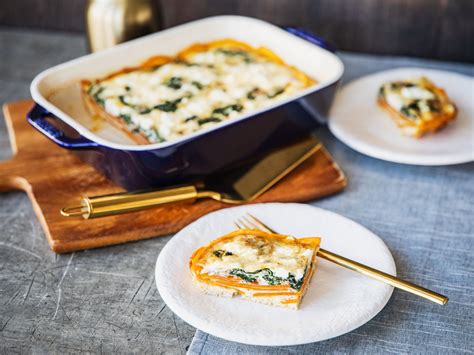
(239, 186)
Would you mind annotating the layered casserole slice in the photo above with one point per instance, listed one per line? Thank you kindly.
(267, 268)
(417, 106)
(167, 98)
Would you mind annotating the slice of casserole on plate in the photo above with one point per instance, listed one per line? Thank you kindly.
(267, 268)
(417, 106)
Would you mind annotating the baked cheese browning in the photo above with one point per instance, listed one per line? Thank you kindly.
(258, 266)
(167, 98)
(418, 106)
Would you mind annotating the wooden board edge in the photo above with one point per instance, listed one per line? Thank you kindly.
(341, 181)
(9, 123)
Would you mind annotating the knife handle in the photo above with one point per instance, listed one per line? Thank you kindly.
(107, 205)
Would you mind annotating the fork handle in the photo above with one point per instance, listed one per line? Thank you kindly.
(382, 276)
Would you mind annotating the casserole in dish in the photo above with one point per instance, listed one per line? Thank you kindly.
(57, 92)
(166, 98)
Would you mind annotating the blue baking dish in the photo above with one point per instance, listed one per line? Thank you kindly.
(60, 115)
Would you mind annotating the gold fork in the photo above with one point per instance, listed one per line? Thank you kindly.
(252, 222)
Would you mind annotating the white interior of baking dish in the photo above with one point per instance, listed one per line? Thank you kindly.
(57, 89)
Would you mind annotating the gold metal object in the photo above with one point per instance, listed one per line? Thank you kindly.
(110, 22)
(106, 205)
(253, 223)
(241, 185)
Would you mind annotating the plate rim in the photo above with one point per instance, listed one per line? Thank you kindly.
(395, 157)
(192, 320)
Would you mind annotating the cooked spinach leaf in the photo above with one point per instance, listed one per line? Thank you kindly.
(153, 135)
(192, 118)
(99, 100)
(202, 121)
(197, 84)
(122, 100)
(276, 93)
(294, 283)
(382, 91)
(401, 84)
(144, 111)
(168, 106)
(232, 52)
(235, 53)
(95, 91)
(140, 109)
(405, 111)
(174, 82)
(268, 276)
(127, 118)
(243, 275)
(220, 253)
(91, 89)
(411, 111)
(414, 105)
(252, 94)
(226, 110)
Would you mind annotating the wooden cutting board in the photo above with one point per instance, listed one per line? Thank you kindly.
(53, 178)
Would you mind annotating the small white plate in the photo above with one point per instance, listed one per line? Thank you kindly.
(359, 122)
(338, 300)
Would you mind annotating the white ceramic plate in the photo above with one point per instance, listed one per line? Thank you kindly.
(338, 300)
(359, 122)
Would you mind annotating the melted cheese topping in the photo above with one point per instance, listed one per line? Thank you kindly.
(416, 100)
(250, 254)
(199, 90)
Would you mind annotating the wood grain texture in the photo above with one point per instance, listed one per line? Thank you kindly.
(441, 29)
(53, 178)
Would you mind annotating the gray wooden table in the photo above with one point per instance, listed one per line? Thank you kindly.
(105, 300)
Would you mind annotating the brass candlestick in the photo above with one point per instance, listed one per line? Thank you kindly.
(109, 22)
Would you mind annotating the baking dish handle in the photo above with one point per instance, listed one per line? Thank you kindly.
(310, 37)
(37, 118)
